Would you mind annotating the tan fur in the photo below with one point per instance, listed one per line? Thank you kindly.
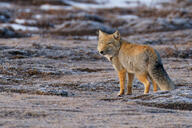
(140, 60)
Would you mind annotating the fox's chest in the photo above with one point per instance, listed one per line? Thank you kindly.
(119, 64)
(128, 63)
(132, 64)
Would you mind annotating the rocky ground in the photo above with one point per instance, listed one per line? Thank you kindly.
(51, 74)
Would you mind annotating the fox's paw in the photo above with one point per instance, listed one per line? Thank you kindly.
(120, 93)
(129, 93)
(145, 92)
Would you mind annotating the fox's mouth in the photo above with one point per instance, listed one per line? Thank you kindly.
(110, 58)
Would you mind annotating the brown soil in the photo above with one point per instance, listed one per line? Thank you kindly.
(55, 77)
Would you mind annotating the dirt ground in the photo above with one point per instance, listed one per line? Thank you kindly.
(51, 74)
(88, 110)
(36, 69)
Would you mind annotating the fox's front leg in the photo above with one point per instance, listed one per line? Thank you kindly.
(129, 84)
(122, 76)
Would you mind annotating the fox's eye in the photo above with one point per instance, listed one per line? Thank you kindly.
(109, 43)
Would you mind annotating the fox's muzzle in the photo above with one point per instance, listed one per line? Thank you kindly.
(101, 52)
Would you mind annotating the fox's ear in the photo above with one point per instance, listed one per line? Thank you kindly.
(101, 33)
(116, 35)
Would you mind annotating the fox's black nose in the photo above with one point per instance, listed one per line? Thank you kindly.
(101, 52)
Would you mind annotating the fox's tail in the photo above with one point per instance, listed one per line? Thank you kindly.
(160, 76)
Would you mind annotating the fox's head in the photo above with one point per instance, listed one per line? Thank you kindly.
(108, 44)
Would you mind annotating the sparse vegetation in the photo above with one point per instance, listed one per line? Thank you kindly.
(51, 74)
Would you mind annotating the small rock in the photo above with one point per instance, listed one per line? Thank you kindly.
(81, 28)
(8, 32)
(84, 16)
(5, 16)
(59, 92)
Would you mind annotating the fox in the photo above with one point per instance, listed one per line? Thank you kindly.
(132, 59)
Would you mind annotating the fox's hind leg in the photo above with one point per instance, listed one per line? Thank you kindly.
(155, 87)
(129, 84)
(143, 79)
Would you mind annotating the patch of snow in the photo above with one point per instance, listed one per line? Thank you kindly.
(5, 5)
(104, 4)
(19, 27)
(47, 7)
(117, 3)
(20, 21)
(127, 17)
(92, 37)
(85, 37)
(23, 21)
(37, 16)
(45, 16)
(27, 10)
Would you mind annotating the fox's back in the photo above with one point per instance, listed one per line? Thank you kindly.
(135, 57)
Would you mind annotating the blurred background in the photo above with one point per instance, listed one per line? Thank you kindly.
(48, 48)
(81, 19)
